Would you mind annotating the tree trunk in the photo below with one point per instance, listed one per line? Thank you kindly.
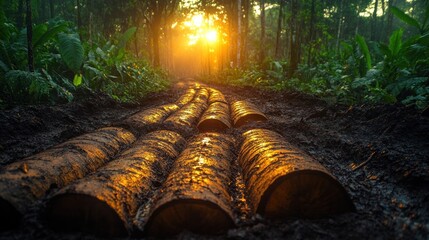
(374, 22)
(244, 112)
(276, 187)
(197, 188)
(340, 26)
(155, 44)
(389, 27)
(78, 15)
(238, 58)
(29, 21)
(51, 8)
(124, 184)
(294, 45)
(20, 15)
(312, 29)
(279, 29)
(247, 6)
(24, 182)
(262, 39)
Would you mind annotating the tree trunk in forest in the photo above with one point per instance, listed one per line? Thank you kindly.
(279, 28)
(155, 44)
(340, 25)
(247, 6)
(79, 19)
(389, 26)
(311, 37)
(294, 45)
(262, 42)
(29, 37)
(20, 15)
(374, 22)
(238, 58)
(51, 8)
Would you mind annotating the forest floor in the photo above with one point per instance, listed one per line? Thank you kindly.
(390, 191)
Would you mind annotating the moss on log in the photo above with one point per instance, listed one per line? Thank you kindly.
(24, 182)
(195, 196)
(284, 182)
(148, 119)
(244, 112)
(106, 201)
(216, 118)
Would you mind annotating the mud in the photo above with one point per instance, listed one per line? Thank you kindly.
(380, 154)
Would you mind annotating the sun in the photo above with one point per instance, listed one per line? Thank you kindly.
(211, 35)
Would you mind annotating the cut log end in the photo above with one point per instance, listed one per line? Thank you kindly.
(77, 212)
(198, 216)
(212, 125)
(306, 193)
(253, 117)
(10, 217)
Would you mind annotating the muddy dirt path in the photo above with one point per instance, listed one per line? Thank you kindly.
(380, 154)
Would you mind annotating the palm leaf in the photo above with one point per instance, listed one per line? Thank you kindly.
(49, 34)
(404, 17)
(71, 51)
(395, 42)
(365, 51)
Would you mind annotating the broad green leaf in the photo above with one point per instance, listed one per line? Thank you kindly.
(365, 51)
(405, 17)
(395, 42)
(38, 31)
(49, 34)
(77, 80)
(71, 51)
(126, 37)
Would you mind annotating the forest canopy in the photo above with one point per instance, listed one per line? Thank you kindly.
(354, 51)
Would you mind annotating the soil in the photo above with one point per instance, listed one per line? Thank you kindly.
(380, 153)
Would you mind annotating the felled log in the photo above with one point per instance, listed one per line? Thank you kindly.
(195, 196)
(216, 118)
(186, 97)
(106, 201)
(201, 96)
(216, 96)
(185, 119)
(24, 182)
(244, 112)
(148, 119)
(284, 182)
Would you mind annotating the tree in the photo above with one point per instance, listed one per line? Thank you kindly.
(262, 38)
(29, 22)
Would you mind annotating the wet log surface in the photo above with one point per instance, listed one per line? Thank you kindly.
(216, 118)
(106, 201)
(185, 119)
(195, 196)
(244, 112)
(216, 96)
(186, 97)
(148, 119)
(24, 182)
(285, 182)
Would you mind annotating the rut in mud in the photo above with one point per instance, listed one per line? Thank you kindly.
(213, 187)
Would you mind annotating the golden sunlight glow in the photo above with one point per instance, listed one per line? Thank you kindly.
(211, 35)
(201, 29)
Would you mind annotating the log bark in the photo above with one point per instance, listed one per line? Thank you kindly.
(195, 196)
(216, 96)
(285, 182)
(185, 119)
(186, 98)
(24, 182)
(202, 96)
(216, 118)
(244, 112)
(148, 119)
(106, 202)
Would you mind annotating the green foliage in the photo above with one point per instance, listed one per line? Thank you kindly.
(365, 51)
(71, 51)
